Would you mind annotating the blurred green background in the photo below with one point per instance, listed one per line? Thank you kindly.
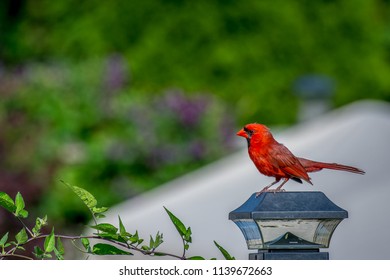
(121, 96)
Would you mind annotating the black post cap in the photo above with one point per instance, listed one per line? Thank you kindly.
(288, 205)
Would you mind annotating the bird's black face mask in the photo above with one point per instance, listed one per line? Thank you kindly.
(249, 133)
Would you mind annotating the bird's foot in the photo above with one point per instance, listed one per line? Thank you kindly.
(266, 189)
(279, 190)
(269, 190)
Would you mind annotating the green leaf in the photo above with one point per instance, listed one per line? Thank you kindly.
(122, 229)
(88, 199)
(7, 202)
(4, 239)
(60, 246)
(47, 256)
(59, 251)
(38, 252)
(39, 223)
(196, 258)
(111, 236)
(19, 202)
(106, 249)
(180, 227)
(21, 237)
(50, 242)
(187, 236)
(145, 248)
(86, 244)
(105, 227)
(135, 238)
(151, 242)
(225, 253)
(23, 214)
(159, 254)
(99, 210)
(158, 240)
(59, 256)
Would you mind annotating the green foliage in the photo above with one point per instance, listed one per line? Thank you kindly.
(3, 243)
(68, 121)
(17, 207)
(86, 244)
(107, 228)
(7, 202)
(59, 250)
(89, 200)
(248, 52)
(107, 249)
(19, 203)
(21, 237)
(4, 239)
(39, 223)
(225, 253)
(49, 244)
(185, 233)
(118, 241)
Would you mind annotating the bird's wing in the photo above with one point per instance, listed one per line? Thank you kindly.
(288, 163)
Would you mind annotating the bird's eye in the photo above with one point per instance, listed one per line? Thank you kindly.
(248, 131)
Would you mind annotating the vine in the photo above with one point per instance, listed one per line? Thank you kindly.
(111, 240)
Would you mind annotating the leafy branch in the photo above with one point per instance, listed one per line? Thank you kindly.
(111, 240)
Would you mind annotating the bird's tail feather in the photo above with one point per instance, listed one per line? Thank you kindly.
(313, 166)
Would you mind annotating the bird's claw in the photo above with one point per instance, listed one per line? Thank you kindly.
(269, 190)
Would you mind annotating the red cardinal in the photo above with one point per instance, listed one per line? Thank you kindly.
(275, 160)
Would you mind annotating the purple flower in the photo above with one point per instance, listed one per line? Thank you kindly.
(197, 150)
(116, 74)
(189, 109)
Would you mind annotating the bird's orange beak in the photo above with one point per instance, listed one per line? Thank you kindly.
(242, 133)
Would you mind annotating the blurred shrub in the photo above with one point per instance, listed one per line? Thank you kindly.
(84, 123)
(68, 115)
(247, 52)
